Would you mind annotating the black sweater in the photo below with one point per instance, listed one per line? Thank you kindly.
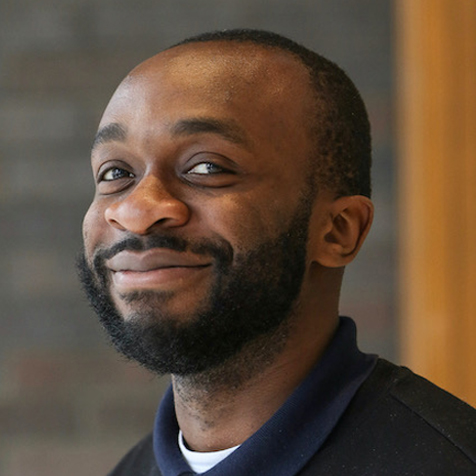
(395, 424)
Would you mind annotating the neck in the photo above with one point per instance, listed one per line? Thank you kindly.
(223, 407)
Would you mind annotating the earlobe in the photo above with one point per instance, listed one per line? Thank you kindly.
(344, 231)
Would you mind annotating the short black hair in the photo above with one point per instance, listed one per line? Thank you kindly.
(340, 126)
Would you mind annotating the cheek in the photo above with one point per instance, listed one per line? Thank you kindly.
(242, 221)
(93, 226)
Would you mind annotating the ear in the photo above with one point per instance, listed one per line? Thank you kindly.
(343, 230)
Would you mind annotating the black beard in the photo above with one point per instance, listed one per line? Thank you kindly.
(250, 300)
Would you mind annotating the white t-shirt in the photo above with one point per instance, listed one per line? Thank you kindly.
(199, 461)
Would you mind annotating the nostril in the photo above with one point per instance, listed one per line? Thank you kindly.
(138, 214)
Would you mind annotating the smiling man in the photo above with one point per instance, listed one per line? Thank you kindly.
(232, 180)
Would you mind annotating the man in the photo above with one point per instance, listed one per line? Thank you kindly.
(232, 188)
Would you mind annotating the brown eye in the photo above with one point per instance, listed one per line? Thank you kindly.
(206, 168)
(115, 173)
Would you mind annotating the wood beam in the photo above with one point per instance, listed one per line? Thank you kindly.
(436, 100)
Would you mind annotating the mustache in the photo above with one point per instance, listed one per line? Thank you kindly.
(218, 249)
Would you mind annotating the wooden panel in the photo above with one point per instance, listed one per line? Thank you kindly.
(436, 99)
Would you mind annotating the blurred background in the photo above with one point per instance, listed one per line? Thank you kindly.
(68, 403)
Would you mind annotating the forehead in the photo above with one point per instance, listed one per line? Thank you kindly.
(264, 90)
(225, 70)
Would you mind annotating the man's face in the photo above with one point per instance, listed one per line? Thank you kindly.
(195, 242)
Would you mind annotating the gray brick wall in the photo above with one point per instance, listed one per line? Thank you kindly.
(68, 404)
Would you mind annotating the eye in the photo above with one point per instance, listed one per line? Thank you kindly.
(115, 173)
(206, 168)
(210, 170)
(114, 178)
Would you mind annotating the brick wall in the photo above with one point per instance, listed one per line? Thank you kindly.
(68, 404)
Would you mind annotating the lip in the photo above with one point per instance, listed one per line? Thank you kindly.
(154, 269)
(157, 258)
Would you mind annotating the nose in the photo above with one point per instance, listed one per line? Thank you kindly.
(149, 204)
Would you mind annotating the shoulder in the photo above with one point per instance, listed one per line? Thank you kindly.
(447, 415)
(401, 424)
(139, 461)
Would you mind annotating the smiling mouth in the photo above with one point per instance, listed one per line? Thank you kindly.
(159, 269)
(154, 278)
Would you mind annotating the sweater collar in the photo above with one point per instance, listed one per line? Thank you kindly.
(286, 442)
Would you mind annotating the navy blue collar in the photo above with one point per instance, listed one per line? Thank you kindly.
(286, 442)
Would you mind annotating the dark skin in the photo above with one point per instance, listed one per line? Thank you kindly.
(212, 140)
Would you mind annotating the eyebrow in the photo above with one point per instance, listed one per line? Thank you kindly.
(109, 133)
(228, 129)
